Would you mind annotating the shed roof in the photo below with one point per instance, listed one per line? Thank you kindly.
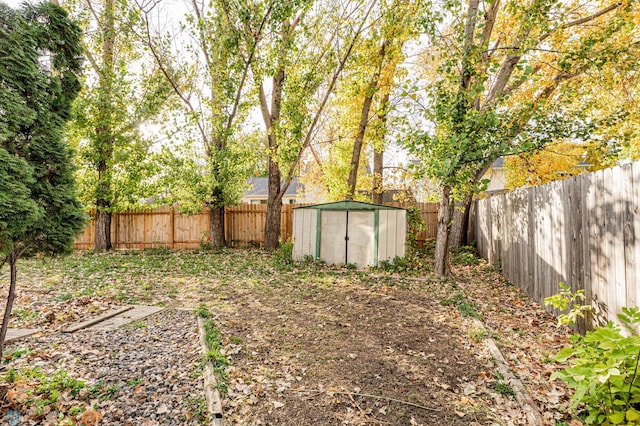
(348, 205)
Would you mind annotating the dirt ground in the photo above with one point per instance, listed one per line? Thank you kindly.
(309, 354)
(318, 345)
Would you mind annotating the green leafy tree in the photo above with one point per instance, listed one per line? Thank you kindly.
(307, 49)
(376, 63)
(499, 83)
(40, 61)
(210, 80)
(122, 91)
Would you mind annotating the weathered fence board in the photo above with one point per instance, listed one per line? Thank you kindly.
(244, 226)
(583, 231)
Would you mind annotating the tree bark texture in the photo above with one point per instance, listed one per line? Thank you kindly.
(359, 140)
(13, 259)
(377, 191)
(216, 227)
(370, 91)
(378, 167)
(274, 207)
(275, 190)
(102, 237)
(104, 137)
(445, 215)
(460, 226)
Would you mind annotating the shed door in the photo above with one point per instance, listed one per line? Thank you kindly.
(360, 247)
(333, 226)
(347, 237)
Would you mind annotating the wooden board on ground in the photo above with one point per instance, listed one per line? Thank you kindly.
(19, 333)
(137, 313)
(92, 321)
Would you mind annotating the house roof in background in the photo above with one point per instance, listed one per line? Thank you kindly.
(259, 186)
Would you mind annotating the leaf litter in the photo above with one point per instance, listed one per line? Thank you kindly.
(312, 344)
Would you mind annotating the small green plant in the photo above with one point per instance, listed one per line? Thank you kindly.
(44, 389)
(11, 376)
(214, 353)
(284, 254)
(398, 264)
(64, 297)
(94, 390)
(478, 334)
(24, 315)
(501, 387)
(205, 240)
(604, 371)
(18, 353)
(135, 382)
(137, 324)
(565, 299)
(497, 266)
(75, 410)
(235, 339)
(198, 408)
(465, 257)
(466, 308)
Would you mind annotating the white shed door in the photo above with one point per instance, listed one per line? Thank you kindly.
(361, 232)
(333, 227)
(352, 243)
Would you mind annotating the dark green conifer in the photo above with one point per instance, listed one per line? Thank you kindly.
(40, 62)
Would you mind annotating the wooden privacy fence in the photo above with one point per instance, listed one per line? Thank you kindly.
(244, 226)
(583, 231)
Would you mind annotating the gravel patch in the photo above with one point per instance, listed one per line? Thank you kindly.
(145, 373)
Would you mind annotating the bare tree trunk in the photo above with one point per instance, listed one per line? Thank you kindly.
(274, 208)
(370, 91)
(442, 238)
(216, 227)
(378, 167)
(460, 226)
(359, 140)
(104, 137)
(102, 237)
(378, 153)
(13, 259)
(272, 227)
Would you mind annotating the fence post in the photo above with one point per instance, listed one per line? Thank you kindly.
(172, 229)
(114, 217)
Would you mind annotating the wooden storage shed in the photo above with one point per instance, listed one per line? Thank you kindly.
(352, 232)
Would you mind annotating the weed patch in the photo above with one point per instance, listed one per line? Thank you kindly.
(465, 307)
(214, 354)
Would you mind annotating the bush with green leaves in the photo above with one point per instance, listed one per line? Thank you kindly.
(284, 254)
(465, 256)
(565, 299)
(603, 371)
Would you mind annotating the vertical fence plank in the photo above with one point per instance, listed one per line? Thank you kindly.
(609, 226)
(581, 231)
(617, 199)
(633, 247)
(586, 201)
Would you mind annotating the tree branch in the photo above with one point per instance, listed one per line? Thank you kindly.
(146, 38)
(332, 83)
(581, 20)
